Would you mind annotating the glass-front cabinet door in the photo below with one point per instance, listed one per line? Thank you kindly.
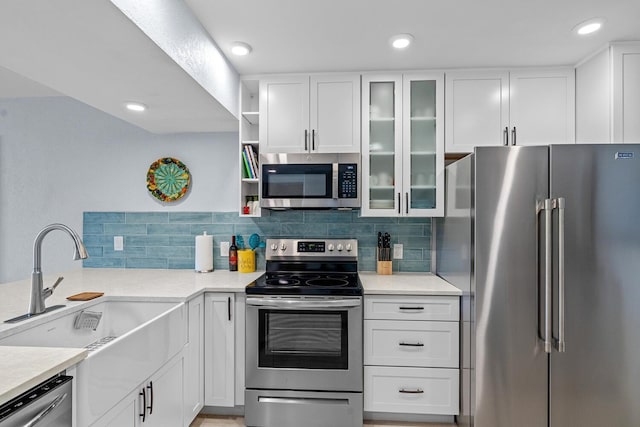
(403, 145)
(423, 144)
(382, 140)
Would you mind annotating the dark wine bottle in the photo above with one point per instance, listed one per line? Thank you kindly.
(233, 255)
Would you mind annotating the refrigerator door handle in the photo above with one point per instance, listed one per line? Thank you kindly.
(546, 207)
(559, 204)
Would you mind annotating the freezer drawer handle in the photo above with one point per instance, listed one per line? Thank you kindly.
(410, 308)
(411, 344)
(303, 400)
(46, 411)
(411, 391)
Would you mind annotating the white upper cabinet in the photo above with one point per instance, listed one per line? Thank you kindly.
(335, 114)
(542, 106)
(284, 114)
(608, 95)
(498, 107)
(314, 114)
(477, 109)
(403, 145)
(626, 93)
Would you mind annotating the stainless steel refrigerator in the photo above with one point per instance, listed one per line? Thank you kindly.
(545, 244)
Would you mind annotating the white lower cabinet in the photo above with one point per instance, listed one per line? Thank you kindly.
(411, 390)
(121, 416)
(156, 402)
(411, 354)
(219, 349)
(194, 360)
(239, 356)
(411, 343)
(165, 397)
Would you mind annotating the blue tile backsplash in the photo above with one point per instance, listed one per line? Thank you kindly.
(167, 239)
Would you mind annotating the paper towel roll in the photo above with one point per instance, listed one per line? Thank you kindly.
(204, 253)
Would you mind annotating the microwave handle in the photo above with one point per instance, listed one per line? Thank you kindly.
(334, 187)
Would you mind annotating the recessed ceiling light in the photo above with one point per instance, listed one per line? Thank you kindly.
(135, 106)
(240, 48)
(588, 27)
(401, 41)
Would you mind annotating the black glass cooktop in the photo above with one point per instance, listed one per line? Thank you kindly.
(296, 283)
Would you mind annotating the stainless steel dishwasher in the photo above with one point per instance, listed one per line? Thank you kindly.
(46, 405)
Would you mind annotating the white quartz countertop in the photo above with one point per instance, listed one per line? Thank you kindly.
(406, 284)
(24, 367)
(125, 284)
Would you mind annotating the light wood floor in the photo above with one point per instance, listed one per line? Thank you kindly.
(233, 421)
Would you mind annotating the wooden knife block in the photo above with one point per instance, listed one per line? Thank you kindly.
(385, 267)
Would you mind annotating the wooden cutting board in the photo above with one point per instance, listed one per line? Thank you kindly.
(85, 296)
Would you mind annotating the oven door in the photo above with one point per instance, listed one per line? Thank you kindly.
(304, 343)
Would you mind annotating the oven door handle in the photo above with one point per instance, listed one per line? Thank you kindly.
(295, 304)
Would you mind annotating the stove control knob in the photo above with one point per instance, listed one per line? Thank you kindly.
(348, 247)
(330, 247)
(283, 247)
(274, 247)
(340, 247)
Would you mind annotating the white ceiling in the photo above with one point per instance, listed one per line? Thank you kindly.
(90, 51)
(342, 35)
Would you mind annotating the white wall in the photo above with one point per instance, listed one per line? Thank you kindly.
(59, 158)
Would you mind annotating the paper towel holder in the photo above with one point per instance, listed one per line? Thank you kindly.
(204, 253)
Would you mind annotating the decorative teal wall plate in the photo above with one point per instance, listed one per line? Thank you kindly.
(168, 179)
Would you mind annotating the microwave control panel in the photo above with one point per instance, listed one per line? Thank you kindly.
(347, 181)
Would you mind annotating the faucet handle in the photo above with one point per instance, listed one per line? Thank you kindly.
(55, 285)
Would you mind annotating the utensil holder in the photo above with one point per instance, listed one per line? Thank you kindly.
(385, 267)
(246, 261)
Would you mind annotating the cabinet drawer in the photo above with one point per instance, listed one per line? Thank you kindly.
(411, 343)
(411, 390)
(412, 307)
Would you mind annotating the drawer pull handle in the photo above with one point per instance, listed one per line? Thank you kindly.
(413, 391)
(411, 344)
(411, 308)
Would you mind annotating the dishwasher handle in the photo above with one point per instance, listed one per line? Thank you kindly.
(46, 411)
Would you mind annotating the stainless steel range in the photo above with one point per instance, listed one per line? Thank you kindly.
(304, 336)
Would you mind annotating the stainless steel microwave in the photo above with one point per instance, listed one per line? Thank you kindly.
(310, 181)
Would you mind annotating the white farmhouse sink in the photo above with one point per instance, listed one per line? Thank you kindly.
(139, 337)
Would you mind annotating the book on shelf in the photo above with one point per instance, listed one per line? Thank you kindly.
(245, 162)
(253, 160)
